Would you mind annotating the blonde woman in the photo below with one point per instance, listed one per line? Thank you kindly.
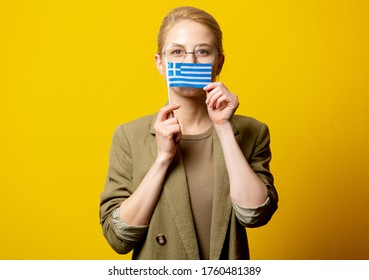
(185, 182)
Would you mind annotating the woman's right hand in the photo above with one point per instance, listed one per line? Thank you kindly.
(168, 133)
(137, 209)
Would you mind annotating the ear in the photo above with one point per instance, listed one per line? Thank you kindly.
(219, 65)
(160, 64)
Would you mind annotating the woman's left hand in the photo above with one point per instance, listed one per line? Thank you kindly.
(222, 104)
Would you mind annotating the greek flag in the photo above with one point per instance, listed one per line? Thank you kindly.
(192, 75)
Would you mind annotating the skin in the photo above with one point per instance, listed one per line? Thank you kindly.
(193, 111)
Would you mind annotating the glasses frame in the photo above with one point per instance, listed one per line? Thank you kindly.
(193, 52)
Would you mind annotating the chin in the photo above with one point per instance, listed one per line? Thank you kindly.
(188, 92)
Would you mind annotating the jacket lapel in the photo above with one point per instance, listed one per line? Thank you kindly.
(176, 192)
(222, 205)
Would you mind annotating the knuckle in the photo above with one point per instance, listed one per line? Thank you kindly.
(167, 133)
(162, 110)
(157, 126)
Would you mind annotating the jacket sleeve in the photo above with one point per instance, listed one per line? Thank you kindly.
(118, 187)
(259, 162)
(249, 216)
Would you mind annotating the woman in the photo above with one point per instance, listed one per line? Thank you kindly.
(183, 183)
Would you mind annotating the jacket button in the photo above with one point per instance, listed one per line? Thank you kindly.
(160, 238)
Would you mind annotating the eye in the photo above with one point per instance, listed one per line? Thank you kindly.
(177, 52)
(203, 52)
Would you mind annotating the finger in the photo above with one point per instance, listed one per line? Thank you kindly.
(162, 127)
(211, 93)
(213, 99)
(218, 86)
(165, 112)
(170, 121)
(221, 102)
(171, 131)
(159, 125)
(178, 137)
(212, 86)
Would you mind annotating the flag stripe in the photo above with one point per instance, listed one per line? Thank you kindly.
(180, 78)
(191, 85)
(184, 82)
(171, 74)
(198, 66)
(196, 72)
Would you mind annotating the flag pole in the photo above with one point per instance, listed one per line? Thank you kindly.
(171, 115)
(167, 78)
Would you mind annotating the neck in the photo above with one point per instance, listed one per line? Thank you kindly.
(193, 114)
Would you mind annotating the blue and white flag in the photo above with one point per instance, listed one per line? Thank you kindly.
(192, 75)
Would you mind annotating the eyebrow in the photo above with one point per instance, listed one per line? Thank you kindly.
(178, 44)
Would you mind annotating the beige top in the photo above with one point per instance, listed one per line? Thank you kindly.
(197, 155)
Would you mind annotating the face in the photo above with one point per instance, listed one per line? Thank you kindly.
(189, 34)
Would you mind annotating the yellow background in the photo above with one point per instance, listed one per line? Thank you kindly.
(71, 71)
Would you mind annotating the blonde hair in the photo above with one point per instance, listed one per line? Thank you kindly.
(197, 15)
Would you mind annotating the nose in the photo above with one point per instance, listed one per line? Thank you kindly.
(190, 57)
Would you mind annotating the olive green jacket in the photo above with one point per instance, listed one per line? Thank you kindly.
(171, 232)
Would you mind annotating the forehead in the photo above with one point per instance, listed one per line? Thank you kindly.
(189, 34)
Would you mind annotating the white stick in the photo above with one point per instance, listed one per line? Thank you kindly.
(167, 78)
(171, 115)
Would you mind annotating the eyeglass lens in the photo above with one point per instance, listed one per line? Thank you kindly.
(203, 53)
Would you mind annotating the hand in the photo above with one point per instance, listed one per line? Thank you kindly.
(222, 104)
(168, 133)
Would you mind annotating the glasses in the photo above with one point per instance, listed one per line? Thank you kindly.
(203, 53)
